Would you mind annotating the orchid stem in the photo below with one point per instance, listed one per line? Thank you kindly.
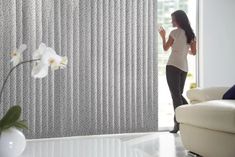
(8, 75)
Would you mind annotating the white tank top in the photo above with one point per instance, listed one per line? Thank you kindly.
(180, 48)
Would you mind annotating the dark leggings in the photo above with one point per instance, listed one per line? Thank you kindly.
(176, 80)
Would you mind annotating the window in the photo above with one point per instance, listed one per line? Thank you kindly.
(165, 8)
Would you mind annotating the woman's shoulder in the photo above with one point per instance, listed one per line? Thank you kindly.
(174, 32)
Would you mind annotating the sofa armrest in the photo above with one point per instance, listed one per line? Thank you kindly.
(206, 94)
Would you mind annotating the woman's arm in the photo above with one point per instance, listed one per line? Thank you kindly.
(166, 44)
(193, 47)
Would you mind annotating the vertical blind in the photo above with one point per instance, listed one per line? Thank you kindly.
(110, 83)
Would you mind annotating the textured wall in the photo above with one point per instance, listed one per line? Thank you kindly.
(110, 83)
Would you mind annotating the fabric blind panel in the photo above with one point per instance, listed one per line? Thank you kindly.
(110, 83)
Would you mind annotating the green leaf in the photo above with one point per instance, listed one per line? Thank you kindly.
(7, 126)
(21, 124)
(12, 115)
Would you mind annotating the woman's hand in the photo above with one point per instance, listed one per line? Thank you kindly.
(162, 32)
(193, 47)
(166, 44)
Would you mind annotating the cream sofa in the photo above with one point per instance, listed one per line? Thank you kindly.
(208, 126)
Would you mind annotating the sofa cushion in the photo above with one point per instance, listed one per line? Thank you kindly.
(230, 94)
(215, 115)
(198, 95)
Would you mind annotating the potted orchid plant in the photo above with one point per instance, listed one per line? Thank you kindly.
(12, 141)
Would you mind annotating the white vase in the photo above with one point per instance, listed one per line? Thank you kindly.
(12, 143)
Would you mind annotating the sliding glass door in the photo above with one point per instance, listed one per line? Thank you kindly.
(165, 8)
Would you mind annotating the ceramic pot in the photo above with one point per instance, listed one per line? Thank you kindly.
(12, 143)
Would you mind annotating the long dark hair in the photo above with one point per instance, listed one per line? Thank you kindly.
(183, 22)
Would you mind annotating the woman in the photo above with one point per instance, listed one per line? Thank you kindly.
(182, 41)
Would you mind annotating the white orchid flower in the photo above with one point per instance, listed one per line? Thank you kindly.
(39, 52)
(63, 62)
(39, 70)
(48, 58)
(16, 56)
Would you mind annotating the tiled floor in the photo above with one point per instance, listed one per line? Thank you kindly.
(160, 144)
